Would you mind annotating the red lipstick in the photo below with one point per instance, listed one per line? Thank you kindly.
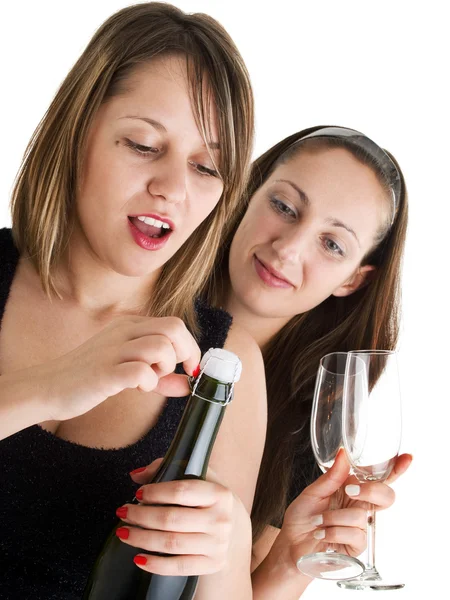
(145, 242)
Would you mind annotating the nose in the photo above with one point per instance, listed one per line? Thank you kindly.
(290, 247)
(169, 179)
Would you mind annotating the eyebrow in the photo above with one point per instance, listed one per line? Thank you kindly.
(303, 197)
(160, 127)
(307, 202)
(336, 223)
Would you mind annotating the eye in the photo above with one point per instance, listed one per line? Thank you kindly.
(204, 170)
(140, 149)
(281, 208)
(333, 248)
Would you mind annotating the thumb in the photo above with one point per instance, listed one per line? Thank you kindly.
(401, 465)
(173, 386)
(332, 480)
(144, 475)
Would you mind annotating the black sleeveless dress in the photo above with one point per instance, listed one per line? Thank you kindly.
(58, 498)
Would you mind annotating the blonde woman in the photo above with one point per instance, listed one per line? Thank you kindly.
(117, 212)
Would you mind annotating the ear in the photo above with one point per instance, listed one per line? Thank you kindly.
(361, 277)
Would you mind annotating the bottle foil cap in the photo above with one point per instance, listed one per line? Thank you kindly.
(222, 365)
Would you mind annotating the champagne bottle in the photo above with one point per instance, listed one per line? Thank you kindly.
(115, 576)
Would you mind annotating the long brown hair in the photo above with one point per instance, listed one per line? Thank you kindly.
(368, 318)
(48, 180)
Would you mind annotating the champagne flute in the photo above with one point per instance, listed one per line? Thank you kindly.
(326, 439)
(371, 432)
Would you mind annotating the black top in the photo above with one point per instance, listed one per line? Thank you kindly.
(58, 498)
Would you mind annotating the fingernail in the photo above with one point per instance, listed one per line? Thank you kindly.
(196, 371)
(136, 471)
(317, 520)
(140, 560)
(122, 512)
(319, 534)
(123, 533)
(139, 494)
(352, 490)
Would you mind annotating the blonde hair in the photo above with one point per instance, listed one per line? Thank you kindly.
(48, 179)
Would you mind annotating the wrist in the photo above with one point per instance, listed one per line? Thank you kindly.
(21, 402)
(233, 579)
(241, 542)
(278, 573)
(34, 394)
(282, 557)
(46, 396)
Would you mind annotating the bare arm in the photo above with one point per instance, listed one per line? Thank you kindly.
(123, 355)
(22, 402)
(274, 574)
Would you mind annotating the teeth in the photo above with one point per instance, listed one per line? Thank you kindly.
(154, 222)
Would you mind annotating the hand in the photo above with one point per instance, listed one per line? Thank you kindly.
(131, 352)
(344, 527)
(199, 524)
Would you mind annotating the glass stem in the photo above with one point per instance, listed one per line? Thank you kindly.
(371, 538)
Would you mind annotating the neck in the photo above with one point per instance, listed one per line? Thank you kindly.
(86, 282)
(261, 328)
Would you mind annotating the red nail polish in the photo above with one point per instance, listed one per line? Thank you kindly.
(196, 372)
(140, 494)
(140, 560)
(122, 512)
(123, 533)
(136, 471)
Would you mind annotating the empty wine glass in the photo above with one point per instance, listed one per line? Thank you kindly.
(326, 439)
(371, 432)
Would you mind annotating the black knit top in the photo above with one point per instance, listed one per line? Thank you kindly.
(58, 498)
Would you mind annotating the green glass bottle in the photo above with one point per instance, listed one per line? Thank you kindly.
(115, 576)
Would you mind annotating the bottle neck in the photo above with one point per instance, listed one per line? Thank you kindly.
(188, 455)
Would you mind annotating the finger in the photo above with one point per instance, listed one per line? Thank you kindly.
(183, 565)
(173, 328)
(347, 536)
(155, 350)
(168, 542)
(331, 481)
(184, 492)
(342, 517)
(135, 375)
(169, 518)
(401, 466)
(377, 493)
(173, 386)
(144, 474)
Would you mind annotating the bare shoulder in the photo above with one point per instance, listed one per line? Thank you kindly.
(241, 343)
(251, 388)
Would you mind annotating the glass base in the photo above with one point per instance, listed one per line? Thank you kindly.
(330, 565)
(370, 580)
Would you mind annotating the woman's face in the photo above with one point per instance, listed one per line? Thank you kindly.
(305, 233)
(146, 158)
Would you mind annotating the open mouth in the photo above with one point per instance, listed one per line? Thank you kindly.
(150, 227)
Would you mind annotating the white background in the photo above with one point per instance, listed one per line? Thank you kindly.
(380, 67)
